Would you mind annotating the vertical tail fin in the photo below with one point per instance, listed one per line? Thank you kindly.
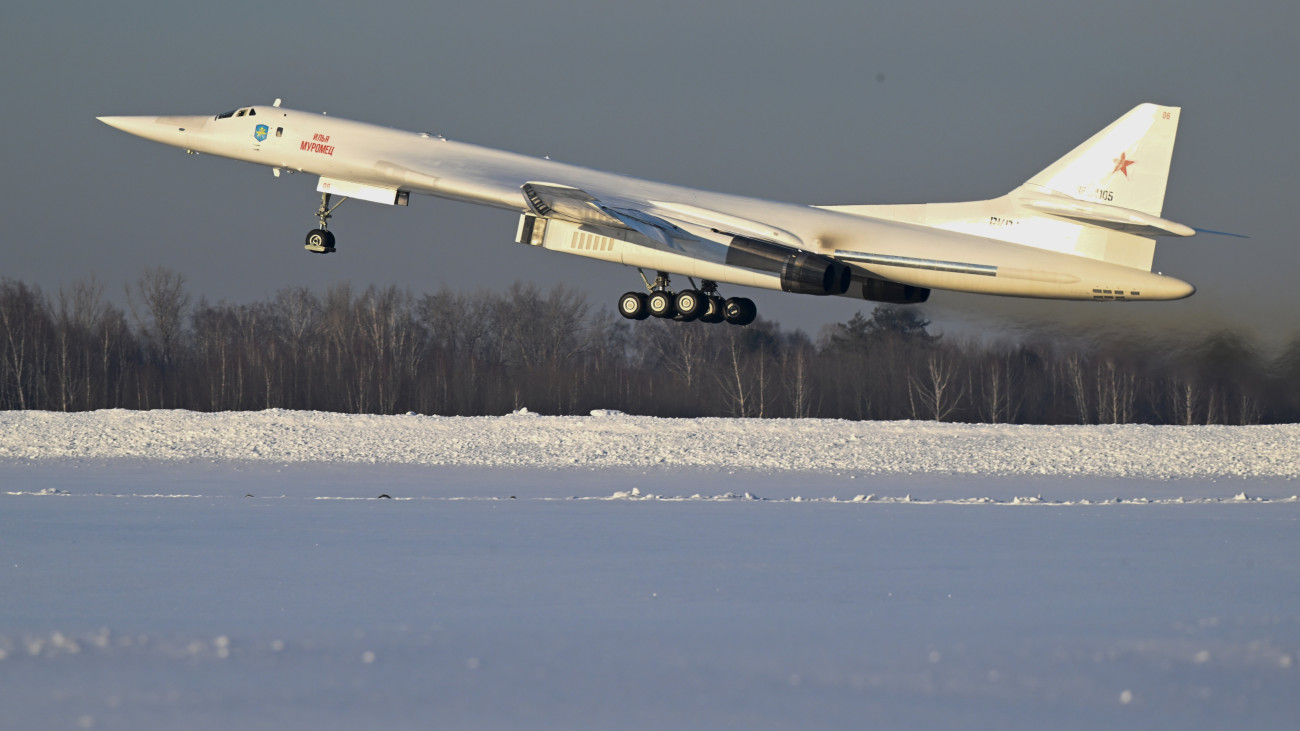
(1101, 201)
(1125, 164)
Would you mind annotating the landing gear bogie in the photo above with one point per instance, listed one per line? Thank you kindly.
(703, 304)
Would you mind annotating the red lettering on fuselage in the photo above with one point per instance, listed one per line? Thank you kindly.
(309, 146)
(320, 137)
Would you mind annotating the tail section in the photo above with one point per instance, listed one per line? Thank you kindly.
(1125, 165)
(1101, 201)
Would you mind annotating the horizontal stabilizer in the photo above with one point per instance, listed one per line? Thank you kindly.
(1115, 218)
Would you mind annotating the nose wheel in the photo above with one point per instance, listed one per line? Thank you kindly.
(320, 240)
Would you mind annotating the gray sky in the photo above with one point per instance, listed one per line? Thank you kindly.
(824, 101)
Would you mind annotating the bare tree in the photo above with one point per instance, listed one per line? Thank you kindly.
(938, 389)
(1184, 397)
(1073, 366)
(77, 314)
(297, 312)
(385, 351)
(797, 366)
(682, 350)
(23, 322)
(159, 303)
(213, 341)
(1249, 410)
(394, 343)
(457, 326)
(732, 376)
(1116, 392)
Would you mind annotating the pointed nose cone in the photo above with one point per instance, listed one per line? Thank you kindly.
(167, 130)
(1183, 289)
(1169, 288)
(146, 127)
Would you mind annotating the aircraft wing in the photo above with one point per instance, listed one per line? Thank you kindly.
(706, 242)
(550, 200)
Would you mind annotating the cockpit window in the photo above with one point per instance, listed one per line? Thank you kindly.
(252, 112)
(226, 115)
(241, 112)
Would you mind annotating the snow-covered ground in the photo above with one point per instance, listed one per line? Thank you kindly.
(212, 571)
(615, 440)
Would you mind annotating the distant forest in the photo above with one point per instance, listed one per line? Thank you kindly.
(386, 350)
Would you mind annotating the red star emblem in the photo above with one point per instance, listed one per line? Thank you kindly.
(1121, 164)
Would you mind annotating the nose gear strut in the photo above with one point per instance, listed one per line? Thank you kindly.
(320, 240)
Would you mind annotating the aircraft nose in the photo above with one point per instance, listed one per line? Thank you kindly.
(1185, 289)
(1170, 288)
(167, 130)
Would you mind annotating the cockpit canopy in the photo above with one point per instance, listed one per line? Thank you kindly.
(245, 112)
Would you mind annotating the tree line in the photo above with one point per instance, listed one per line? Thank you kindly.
(385, 350)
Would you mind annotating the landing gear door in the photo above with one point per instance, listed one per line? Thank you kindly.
(531, 231)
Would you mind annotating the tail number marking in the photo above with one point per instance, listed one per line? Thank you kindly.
(1100, 194)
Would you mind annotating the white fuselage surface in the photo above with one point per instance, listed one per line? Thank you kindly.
(1051, 238)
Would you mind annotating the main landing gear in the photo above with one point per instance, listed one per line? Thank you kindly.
(703, 304)
(320, 240)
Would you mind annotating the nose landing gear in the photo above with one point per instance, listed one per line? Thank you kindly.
(320, 240)
(703, 304)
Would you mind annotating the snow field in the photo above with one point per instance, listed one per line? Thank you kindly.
(212, 571)
(613, 440)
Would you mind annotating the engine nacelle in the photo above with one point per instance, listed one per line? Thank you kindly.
(801, 272)
(883, 290)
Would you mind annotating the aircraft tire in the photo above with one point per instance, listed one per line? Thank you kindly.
(740, 311)
(320, 241)
(689, 304)
(660, 304)
(632, 305)
(712, 312)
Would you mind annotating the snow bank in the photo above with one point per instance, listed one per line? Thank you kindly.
(617, 440)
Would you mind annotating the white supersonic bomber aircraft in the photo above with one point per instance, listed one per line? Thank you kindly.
(1082, 229)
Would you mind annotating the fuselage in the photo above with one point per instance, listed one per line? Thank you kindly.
(429, 164)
